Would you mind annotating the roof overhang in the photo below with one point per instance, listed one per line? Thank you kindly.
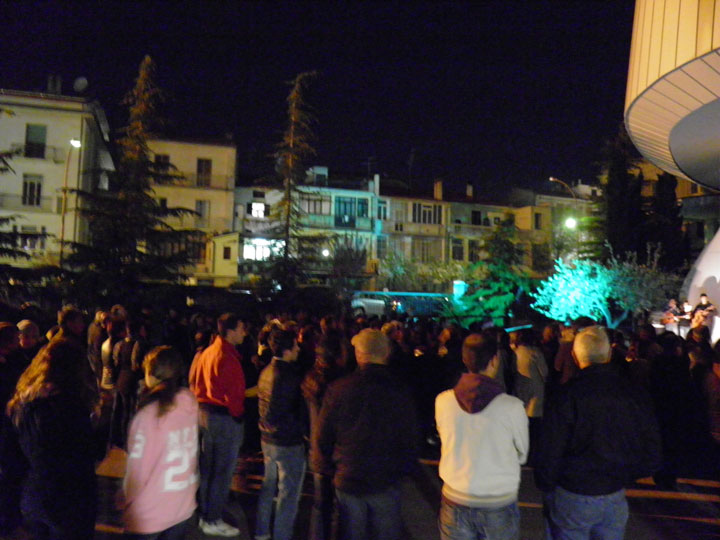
(675, 122)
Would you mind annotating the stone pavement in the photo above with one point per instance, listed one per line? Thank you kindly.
(691, 512)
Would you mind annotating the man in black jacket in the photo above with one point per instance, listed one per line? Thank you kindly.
(598, 434)
(283, 424)
(367, 436)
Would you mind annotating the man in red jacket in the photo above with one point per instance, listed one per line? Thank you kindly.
(218, 382)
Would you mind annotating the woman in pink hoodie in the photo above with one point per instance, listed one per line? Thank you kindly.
(161, 478)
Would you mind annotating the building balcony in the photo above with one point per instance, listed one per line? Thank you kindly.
(39, 151)
(419, 229)
(701, 208)
(208, 181)
(463, 229)
(17, 203)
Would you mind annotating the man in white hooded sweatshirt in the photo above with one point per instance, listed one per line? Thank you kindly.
(484, 436)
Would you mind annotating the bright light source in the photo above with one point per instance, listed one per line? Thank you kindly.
(75, 143)
(571, 223)
(326, 252)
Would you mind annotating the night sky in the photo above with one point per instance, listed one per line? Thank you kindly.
(495, 93)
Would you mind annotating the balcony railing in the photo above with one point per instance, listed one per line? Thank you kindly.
(212, 181)
(19, 204)
(39, 151)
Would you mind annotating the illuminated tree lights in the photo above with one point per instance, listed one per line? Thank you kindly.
(608, 292)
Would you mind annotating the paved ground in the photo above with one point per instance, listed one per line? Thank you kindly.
(692, 512)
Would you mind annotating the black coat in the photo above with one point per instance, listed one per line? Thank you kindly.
(57, 439)
(598, 434)
(283, 417)
(367, 432)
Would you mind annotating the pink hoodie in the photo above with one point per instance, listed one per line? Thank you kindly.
(161, 476)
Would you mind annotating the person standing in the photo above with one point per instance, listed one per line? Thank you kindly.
(283, 423)
(51, 412)
(218, 382)
(161, 478)
(484, 436)
(599, 433)
(367, 436)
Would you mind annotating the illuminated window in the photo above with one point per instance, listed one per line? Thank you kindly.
(260, 249)
(362, 208)
(257, 209)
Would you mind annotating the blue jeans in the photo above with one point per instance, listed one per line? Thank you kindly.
(284, 474)
(322, 516)
(458, 522)
(220, 439)
(376, 515)
(570, 516)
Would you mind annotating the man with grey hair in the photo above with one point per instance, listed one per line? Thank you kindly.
(367, 437)
(598, 434)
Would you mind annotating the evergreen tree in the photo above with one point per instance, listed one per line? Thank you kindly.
(129, 239)
(663, 225)
(622, 197)
(299, 252)
(495, 281)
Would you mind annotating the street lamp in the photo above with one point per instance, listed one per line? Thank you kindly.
(571, 222)
(74, 143)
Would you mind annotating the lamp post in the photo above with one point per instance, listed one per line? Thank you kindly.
(570, 223)
(74, 143)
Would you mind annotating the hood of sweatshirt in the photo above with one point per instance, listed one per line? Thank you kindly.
(186, 402)
(474, 392)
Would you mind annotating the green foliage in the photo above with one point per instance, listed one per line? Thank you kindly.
(398, 273)
(130, 240)
(609, 291)
(663, 223)
(493, 282)
(293, 151)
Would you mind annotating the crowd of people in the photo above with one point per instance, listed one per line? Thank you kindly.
(353, 400)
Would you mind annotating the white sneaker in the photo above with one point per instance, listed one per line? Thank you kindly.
(218, 528)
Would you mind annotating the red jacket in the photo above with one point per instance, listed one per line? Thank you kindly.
(217, 378)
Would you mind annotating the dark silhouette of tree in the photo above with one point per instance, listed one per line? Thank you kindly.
(663, 223)
(129, 239)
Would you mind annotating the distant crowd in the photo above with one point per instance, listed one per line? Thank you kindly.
(355, 401)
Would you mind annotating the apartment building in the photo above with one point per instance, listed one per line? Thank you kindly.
(61, 145)
(426, 229)
(205, 185)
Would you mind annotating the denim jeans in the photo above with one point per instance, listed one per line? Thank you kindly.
(323, 522)
(220, 439)
(375, 515)
(284, 474)
(570, 516)
(458, 522)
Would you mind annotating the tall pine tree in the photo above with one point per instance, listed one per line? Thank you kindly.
(129, 239)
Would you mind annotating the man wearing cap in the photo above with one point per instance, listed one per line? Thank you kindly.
(484, 434)
(367, 437)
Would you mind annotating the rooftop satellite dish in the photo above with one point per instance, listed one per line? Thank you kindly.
(80, 85)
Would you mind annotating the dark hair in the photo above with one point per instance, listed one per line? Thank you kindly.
(525, 336)
(328, 357)
(477, 351)
(165, 364)
(227, 322)
(281, 341)
(67, 314)
(56, 369)
(8, 334)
